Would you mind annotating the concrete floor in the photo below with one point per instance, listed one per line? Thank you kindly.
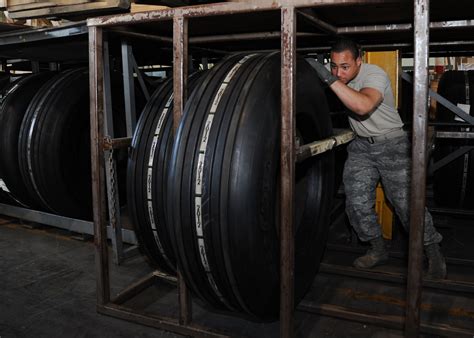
(47, 288)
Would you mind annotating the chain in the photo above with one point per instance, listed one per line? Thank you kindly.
(112, 187)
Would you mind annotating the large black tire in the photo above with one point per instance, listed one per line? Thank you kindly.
(54, 145)
(14, 105)
(223, 185)
(453, 184)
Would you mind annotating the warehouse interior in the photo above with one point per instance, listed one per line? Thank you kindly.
(174, 168)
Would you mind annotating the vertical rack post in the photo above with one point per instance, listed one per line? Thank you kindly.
(418, 178)
(96, 68)
(110, 163)
(180, 76)
(128, 87)
(287, 162)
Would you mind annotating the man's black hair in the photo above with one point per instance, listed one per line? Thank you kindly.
(345, 44)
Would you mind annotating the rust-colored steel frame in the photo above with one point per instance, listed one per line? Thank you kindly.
(180, 17)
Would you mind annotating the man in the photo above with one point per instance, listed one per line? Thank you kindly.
(381, 151)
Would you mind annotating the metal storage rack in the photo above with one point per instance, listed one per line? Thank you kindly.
(287, 11)
(53, 45)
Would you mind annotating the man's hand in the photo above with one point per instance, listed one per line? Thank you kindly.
(324, 74)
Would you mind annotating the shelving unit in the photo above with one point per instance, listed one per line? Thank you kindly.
(292, 26)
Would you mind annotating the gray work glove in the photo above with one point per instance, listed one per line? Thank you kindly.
(324, 74)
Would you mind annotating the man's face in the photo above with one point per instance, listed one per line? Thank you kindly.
(344, 66)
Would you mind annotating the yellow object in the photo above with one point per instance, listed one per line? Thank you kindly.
(390, 61)
(135, 8)
(384, 212)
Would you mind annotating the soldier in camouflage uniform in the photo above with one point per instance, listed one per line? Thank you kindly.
(380, 152)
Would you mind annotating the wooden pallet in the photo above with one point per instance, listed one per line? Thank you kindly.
(27, 9)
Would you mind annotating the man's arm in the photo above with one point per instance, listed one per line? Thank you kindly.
(360, 102)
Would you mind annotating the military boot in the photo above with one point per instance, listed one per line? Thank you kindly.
(436, 262)
(376, 255)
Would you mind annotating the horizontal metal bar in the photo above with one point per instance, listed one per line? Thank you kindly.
(71, 224)
(455, 109)
(389, 321)
(321, 146)
(402, 27)
(369, 47)
(451, 43)
(245, 36)
(222, 8)
(212, 38)
(375, 28)
(455, 134)
(395, 45)
(116, 143)
(398, 278)
(144, 36)
(447, 124)
(31, 35)
(67, 223)
(459, 212)
(396, 254)
(452, 24)
(160, 322)
(271, 35)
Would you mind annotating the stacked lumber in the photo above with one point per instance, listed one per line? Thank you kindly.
(27, 9)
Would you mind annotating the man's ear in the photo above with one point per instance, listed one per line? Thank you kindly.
(358, 61)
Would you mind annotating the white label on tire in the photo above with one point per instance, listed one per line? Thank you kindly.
(198, 211)
(205, 134)
(160, 121)
(3, 186)
(202, 252)
(151, 215)
(199, 173)
(168, 103)
(218, 98)
(152, 150)
(149, 181)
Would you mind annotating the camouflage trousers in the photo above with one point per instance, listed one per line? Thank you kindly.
(389, 162)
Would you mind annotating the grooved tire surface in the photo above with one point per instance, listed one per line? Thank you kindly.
(223, 185)
(12, 110)
(147, 172)
(453, 184)
(54, 145)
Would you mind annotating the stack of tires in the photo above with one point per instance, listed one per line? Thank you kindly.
(454, 183)
(45, 143)
(207, 199)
